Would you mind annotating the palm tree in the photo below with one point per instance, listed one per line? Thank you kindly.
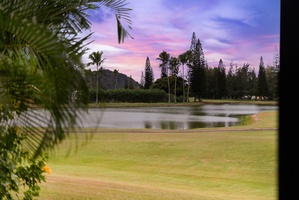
(164, 58)
(97, 60)
(184, 57)
(174, 66)
(40, 66)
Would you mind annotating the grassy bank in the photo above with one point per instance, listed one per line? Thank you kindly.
(191, 102)
(210, 163)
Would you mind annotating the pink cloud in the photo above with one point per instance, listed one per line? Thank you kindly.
(240, 36)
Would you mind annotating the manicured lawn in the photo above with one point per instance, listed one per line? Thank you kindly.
(211, 163)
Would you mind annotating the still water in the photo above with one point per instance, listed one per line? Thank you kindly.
(180, 118)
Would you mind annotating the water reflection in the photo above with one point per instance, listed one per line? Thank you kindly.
(180, 118)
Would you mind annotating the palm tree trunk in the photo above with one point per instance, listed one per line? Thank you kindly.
(188, 89)
(183, 85)
(97, 92)
(168, 89)
(174, 88)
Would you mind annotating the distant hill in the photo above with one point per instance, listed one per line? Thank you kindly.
(110, 80)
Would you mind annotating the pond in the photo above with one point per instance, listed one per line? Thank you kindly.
(179, 118)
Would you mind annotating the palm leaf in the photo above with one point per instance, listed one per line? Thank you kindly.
(53, 81)
(40, 65)
(121, 15)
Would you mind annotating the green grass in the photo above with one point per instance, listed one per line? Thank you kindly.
(191, 102)
(142, 164)
(211, 163)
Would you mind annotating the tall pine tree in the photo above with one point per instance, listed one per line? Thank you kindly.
(197, 69)
(262, 87)
(148, 74)
(221, 81)
(272, 75)
(230, 81)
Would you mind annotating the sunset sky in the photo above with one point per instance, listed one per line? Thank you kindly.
(238, 31)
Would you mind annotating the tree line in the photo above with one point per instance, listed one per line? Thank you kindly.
(202, 81)
(189, 75)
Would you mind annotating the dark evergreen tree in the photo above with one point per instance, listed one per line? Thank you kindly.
(272, 80)
(191, 71)
(211, 74)
(262, 87)
(230, 81)
(251, 84)
(193, 43)
(221, 81)
(197, 70)
(276, 61)
(240, 81)
(272, 75)
(148, 74)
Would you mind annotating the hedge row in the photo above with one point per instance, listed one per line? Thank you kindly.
(130, 96)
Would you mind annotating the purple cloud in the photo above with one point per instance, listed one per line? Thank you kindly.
(231, 30)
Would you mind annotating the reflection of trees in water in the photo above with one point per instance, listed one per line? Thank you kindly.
(215, 124)
(164, 125)
(174, 125)
(197, 110)
(147, 124)
(168, 125)
(192, 125)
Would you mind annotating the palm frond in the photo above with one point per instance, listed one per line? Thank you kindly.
(121, 14)
(50, 70)
(40, 65)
